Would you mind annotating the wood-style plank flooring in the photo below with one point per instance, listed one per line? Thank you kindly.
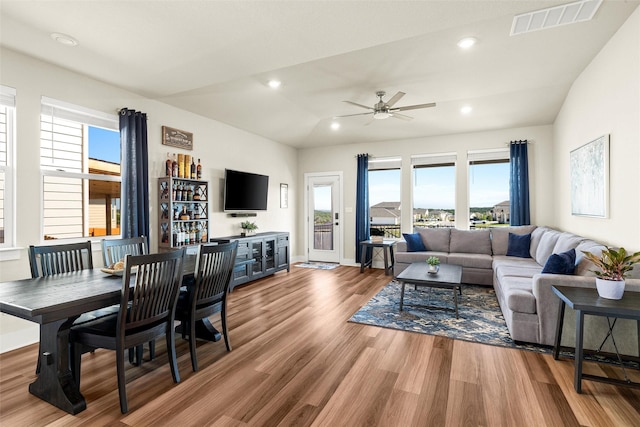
(296, 361)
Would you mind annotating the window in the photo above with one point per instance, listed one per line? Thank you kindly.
(434, 190)
(7, 189)
(488, 187)
(80, 163)
(384, 197)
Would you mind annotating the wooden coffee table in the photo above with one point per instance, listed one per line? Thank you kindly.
(417, 274)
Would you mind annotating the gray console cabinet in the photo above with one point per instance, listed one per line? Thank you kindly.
(267, 252)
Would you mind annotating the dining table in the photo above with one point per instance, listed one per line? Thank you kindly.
(54, 302)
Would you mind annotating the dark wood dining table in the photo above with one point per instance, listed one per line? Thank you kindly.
(54, 302)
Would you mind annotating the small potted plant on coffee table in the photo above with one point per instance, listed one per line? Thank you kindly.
(614, 266)
(434, 264)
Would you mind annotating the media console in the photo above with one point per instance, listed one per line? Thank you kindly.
(266, 253)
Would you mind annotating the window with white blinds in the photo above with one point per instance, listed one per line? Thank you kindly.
(7, 187)
(80, 164)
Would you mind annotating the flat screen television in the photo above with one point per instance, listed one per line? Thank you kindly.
(244, 191)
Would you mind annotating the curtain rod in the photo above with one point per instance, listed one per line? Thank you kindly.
(520, 141)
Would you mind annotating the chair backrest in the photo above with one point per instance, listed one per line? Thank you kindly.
(213, 273)
(150, 288)
(115, 250)
(55, 259)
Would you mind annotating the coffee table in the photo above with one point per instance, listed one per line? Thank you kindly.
(417, 274)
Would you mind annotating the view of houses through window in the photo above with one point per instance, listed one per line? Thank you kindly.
(80, 162)
(434, 193)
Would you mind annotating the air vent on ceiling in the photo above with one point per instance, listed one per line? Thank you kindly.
(582, 10)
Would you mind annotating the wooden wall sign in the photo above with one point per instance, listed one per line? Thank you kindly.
(177, 138)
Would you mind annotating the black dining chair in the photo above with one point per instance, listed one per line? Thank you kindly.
(208, 295)
(47, 260)
(147, 311)
(114, 250)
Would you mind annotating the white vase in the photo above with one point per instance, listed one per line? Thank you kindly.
(610, 289)
(433, 268)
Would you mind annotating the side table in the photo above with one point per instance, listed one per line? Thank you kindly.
(586, 301)
(387, 250)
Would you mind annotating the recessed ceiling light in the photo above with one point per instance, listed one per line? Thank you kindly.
(64, 39)
(467, 42)
(466, 109)
(274, 84)
(335, 125)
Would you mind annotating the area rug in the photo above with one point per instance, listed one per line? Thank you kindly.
(317, 265)
(480, 319)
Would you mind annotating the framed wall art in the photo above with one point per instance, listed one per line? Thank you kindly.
(589, 168)
(177, 138)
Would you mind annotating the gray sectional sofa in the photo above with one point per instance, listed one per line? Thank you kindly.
(527, 302)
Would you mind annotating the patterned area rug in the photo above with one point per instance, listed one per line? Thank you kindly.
(317, 265)
(480, 317)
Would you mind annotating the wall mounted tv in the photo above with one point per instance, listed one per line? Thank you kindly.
(245, 192)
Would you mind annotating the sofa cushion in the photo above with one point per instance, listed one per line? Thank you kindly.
(500, 237)
(583, 265)
(546, 245)
(409, 257)
(566, 241)
(503, 272)
(414, 242)
(562, 263)
(519, 245)
(521, 301)
(435, 239)
(470, 260)
(536, 235)
(470, 242)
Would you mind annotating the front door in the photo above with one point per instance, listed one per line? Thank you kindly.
(324, 217)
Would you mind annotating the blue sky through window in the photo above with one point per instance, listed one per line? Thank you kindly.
(104, 144)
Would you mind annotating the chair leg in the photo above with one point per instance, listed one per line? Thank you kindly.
(152, 350)
(171, 351)
(139, 351)
(223, 317)
(122, 385)
(192, 344)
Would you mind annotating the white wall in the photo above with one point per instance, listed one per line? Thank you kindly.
(342, 158)
(218, 145)
(605, 99)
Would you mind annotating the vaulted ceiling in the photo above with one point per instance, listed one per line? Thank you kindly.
(214, 58)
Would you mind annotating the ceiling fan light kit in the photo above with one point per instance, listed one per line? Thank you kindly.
(383, 110)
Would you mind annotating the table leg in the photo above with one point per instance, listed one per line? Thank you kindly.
(386, 262)
(363, 257)
(455, 300)
(402, 296)
(204, 330)
(556, 347)
(577, 381)
(55, 383)
(393, 260)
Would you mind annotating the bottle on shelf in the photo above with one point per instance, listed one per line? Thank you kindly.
(193, 168)
(186, 235)
(180, 165)
(174, 237)
(203, 239)
(199, 170)
(187, 166)
(192, 234)
(168, 168)
(174, 166)
(179, 193)
(174, 191)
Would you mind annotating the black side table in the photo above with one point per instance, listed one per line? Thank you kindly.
(586, 301)
(387, 250)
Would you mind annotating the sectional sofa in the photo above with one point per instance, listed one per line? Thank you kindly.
(524, 293)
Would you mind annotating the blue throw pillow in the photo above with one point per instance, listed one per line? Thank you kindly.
(414, 242)
(519, 245)
(564, 263)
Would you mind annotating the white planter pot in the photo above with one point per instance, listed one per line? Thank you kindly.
(610, 289)
(434, 268)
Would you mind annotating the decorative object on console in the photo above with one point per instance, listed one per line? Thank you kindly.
(434, 264)
(614, 266)
(248, 228)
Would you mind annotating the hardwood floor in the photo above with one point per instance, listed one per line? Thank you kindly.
(297, 361)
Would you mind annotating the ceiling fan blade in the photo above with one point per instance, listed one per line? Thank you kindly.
(415, 107)
(351, 115)
(395, 98)
(401, 116)
(358, 105)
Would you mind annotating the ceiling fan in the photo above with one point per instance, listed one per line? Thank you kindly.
(382, 110)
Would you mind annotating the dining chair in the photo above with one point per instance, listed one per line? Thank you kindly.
(114, 250)
(47, 260)
(214, 270)
(147, 311)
